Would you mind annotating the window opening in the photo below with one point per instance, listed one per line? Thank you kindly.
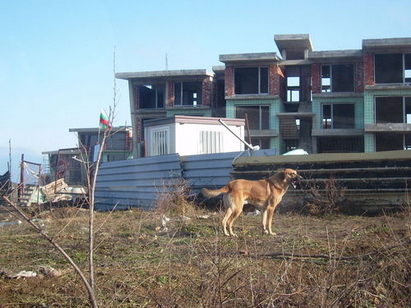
(151, 96)
(389, 142)
(407, 142)
(326, 78)
(338, 116)
(389, 68)
(389, 109)
(407, 110)
(187, 93)
(327, 122)
(407, 68)
(290, 144)
(337, 78)
(263, 143)
(297, 123)
(251, 80)
(293, 89)
(345, 144)
(258, 116)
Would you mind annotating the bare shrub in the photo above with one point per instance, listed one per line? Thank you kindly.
(173, 198)
(325, 198)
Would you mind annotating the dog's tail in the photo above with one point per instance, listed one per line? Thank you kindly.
(214, 193)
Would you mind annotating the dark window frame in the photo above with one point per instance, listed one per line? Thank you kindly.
(384, 114)
(392, 68)
(188, 93)
(341, 77)
(151, 96)
(263, 115)
(251, 80)
(333, 119)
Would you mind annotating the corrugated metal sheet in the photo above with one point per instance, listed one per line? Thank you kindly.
(371, 181)
(135, 182)
(208, 170)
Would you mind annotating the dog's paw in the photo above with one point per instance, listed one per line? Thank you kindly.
(270, 233)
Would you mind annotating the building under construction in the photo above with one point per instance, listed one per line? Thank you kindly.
(321, 101)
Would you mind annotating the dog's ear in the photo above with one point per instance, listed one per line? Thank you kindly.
(281, 174)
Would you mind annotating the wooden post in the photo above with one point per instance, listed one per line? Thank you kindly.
(21, 186)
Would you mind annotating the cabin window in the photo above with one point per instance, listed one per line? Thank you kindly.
(251, 80)
(160, 141)
(210, 142)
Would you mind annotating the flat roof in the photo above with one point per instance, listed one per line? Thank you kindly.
(249, 57)
(386, 43)
(96, 129)
(335, 54)
(293, 41)
(164, 74)
(182, 119)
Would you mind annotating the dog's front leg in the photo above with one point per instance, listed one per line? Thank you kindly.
(265, 221)
(269, 219)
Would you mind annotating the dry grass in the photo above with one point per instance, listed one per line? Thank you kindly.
(332, 261)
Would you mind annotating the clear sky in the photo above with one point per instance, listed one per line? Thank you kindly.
(56, 56)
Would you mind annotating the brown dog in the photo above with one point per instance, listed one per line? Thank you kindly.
(264, 194)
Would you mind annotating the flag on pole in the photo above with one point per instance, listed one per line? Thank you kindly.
(104, 122)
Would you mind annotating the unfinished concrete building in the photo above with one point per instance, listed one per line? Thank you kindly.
(321, 101)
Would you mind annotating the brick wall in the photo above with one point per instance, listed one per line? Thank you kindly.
(275, 79)
(369, 69)
(135, 97)
(316, 78)
(207, 87)
(170, 93)
(229, 81)
(138, 127)
(359, 77)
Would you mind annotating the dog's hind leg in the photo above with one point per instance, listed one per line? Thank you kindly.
(227, 215)
(236, 212)
(229, 211)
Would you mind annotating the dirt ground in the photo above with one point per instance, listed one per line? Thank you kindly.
(314, 261)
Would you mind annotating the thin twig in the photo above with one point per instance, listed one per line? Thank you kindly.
(90, 291)
(284, 255)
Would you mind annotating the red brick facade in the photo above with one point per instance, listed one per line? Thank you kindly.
(135, 98)
(207, 87)
(316, 78)
(358, 78)
(369, 69)
(170, 94)
(275, 76)
(229, 81)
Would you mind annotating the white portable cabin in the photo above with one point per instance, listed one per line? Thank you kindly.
(191, 135)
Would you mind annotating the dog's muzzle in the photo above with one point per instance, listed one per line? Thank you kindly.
(295, 180)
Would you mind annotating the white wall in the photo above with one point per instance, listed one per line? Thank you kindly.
(188, 138)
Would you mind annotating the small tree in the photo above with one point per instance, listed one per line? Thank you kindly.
(92, 169)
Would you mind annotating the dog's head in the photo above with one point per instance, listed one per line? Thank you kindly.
(290, 176)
